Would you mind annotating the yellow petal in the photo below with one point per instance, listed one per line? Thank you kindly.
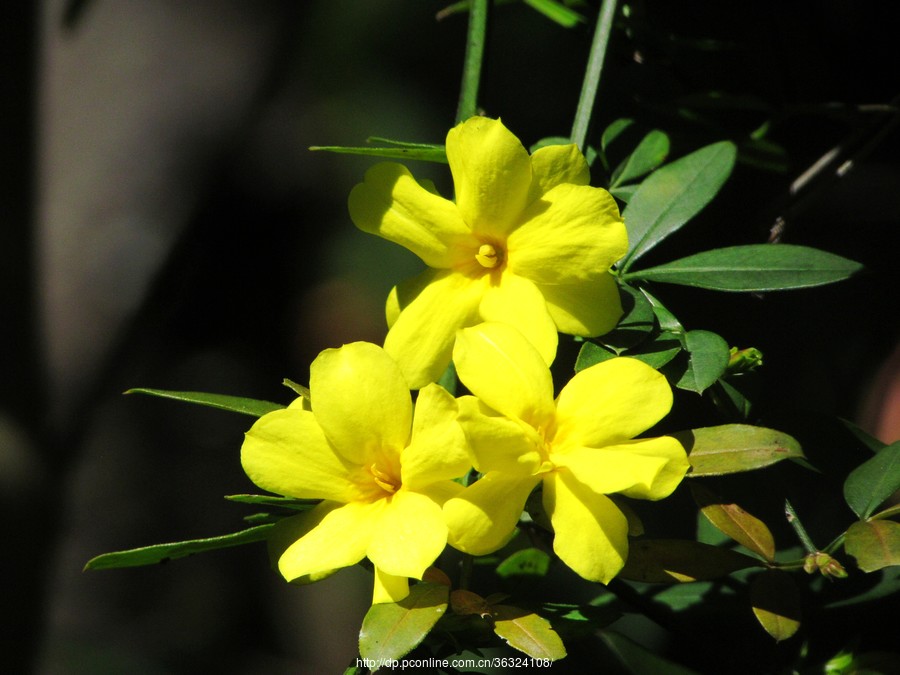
(288, 530)
(491, 173)
(499, 366)
(438, 450)
(421, 340)
(361, 400)
(649, 468)
(587, 308)
(409, 536)
(554, 165)
(573, 233)
(609, 403)
(484, 515)
(674, 467)
(286, 452)
(389, 588)
(391, 204)
(518, 302)
(590, 533)
(497, 442)
(338, 537)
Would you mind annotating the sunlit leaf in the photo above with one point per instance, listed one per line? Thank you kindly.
(557, 12)
(577, 621)
(649, 154)
(732, 448)
(708, 360)
(669, 561)
(245, 406)
(157, 553)
(673, 194)
(527, 562)
(391, 630)
(776, 603)
(754, 267)
(871, 483)
(591, 354)
(745, 529)
(875, 544)
(528, 632)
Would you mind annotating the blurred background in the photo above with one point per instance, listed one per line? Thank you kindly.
(165, 225)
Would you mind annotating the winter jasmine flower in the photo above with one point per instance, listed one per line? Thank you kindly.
(528, 242)
(579, 448)
(382, 470)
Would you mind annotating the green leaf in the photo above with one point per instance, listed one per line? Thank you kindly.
(674, 194)
(613, 131)
(637, 659)
(887, 585)
(623, 192)
(649, 154)
(421, 151)
(670, 561)
(528, 562)
(708, 360)
(269, 500)
(151, 555)
(391, 630)
(564, 16)
(754, 267)
(636, 324)
(578, 621)
(875, 544)
(528, 632)
(245, 406)
(591, 354)
(732, 448)
(745, 529)
(872, 482)
(666, 320)
(775, 599)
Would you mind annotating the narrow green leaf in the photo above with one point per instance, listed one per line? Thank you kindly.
(649, 154)
(875, 544)
(754, 267)
(157, 553)
(423, 152)
(674, 194)
(872, 482)
(745, 529)
(591, 354)
(528, 562)
(776, 603)
(670, 561)
(245, 406)
(666, 320)
(732, 448)
(393, 629)
(623, 192)
(559, 13)
(613, 131)
(528, 632)
(270, 500)
(708, 360)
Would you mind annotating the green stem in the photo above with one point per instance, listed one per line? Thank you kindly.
(468, 94)
(592, 73)
(795, 523)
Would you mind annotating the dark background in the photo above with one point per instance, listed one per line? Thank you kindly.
(164, 225)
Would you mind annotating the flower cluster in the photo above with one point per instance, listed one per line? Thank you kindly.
(523, 253)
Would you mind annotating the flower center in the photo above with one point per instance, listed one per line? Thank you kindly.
(383, 479)
(487, 256)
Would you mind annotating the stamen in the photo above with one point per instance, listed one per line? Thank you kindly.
(487, 256)
(384, 480)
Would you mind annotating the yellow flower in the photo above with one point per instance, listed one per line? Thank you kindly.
(579, 447)
(382, 471)
(528, 242)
